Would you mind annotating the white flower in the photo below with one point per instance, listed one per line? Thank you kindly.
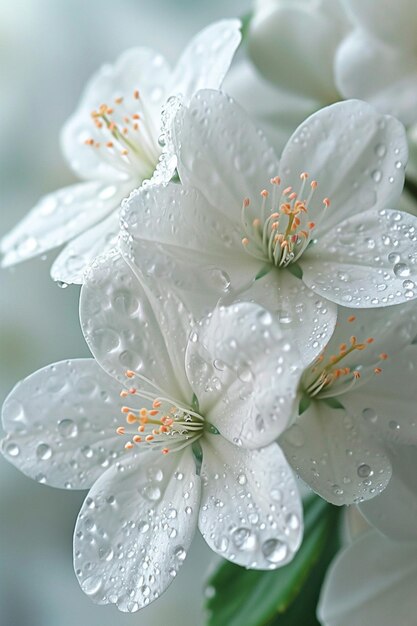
(378, 60)
(372, 581)
(288, 73)
(357, 414)
(113, 142)
(353, 249)
(222, 393)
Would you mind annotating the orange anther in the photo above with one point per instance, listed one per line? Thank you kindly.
(149, 438)
(287, 190)
(303, 175)
(129, 373)
(264, 193)
(120, 430)
(125, 409)
(326, 202)
(118, 100)
(356, 374)
(276, 180)
(165, 450)
(123, 393)
(153, 412)
(128, 445)
(245, 241)
(383, 356)
(377, 370)
(136, 94)
(311, 225)
(137, 438)
(143, 412)
(314, 184)
(141, 429)
(370, 340)
(351, 318)
(131, 418)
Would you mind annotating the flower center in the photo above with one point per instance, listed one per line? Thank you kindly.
(329, 376)
(280, 232)
(166, 426)
(126, 136)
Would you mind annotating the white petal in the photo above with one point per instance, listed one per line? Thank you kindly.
(137, 68)
(61, 422)
(127, 327)
(135, 528)
(216, 157)
(394, 23)
(356, 155)
(369, 260)
(276, 111)
(306, 318)
(293, 44)
(333, 451)
(371, 582)
(394, 511)
(72, 263)
(384, 76)
(390, 328)
(244, 372)
(387, 402)
(60, 216)
(174, 235)
(205, 61)
(251, 511)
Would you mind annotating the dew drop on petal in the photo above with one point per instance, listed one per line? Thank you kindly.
(364, 471)
(244, 539)
(43, 452)
(401, 270)
(67, 429)
(274, 551)
(13, 449)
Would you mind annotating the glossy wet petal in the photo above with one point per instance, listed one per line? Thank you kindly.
(369, 260)
(135, 528)
(61, 424)
(245, 372)
(251, 511)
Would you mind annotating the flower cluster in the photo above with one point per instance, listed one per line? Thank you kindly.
(251, 317)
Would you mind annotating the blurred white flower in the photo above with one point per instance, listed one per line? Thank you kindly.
(212, 402)
(357, 414)
(113, 142)
(353, 249)
(288, 73)
(377, 62)
(372, 582)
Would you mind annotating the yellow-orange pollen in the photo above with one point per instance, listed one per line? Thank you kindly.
(126, 135)
(320, 379)
(280, 232)
(166, 426)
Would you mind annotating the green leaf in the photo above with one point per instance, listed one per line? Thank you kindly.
(246, 20)
(260, 598)
(334, 403)
(263, 271)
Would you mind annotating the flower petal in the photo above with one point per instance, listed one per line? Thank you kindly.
(137, 68)
(391, 329)
(205, 61)
(276, 110)
(384, 76)
(251, 511)
(356, 155)
(334, 452)
(396, 24)
(388, 401)
(369, 260)
(306, 318)
(215, 156)
(128, 327)
(371, 582)
(394, 511)
(58, 217)
(244, 372)
(172, 234)
(135, 527)
(293, 45)
(61, 424)
(72, 263)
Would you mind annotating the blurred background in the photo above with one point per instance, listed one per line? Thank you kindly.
(48, 49)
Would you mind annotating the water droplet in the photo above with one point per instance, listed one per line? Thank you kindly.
(152, 492)
(265, 318)
(241, 479)
(292, 521)
(13, 449)
(61, 284)
(180, 553)
(380, 150)
(401, 270)
(92, 585)
(377, 175)
(276, 494)
(68, 429)
(143, 527)
(364, 471)
(274, 551)
(393, 257)
(369, 415)
(219, 279)
(394, 425)
(43, 452)
(244, 539)
(87, 452)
